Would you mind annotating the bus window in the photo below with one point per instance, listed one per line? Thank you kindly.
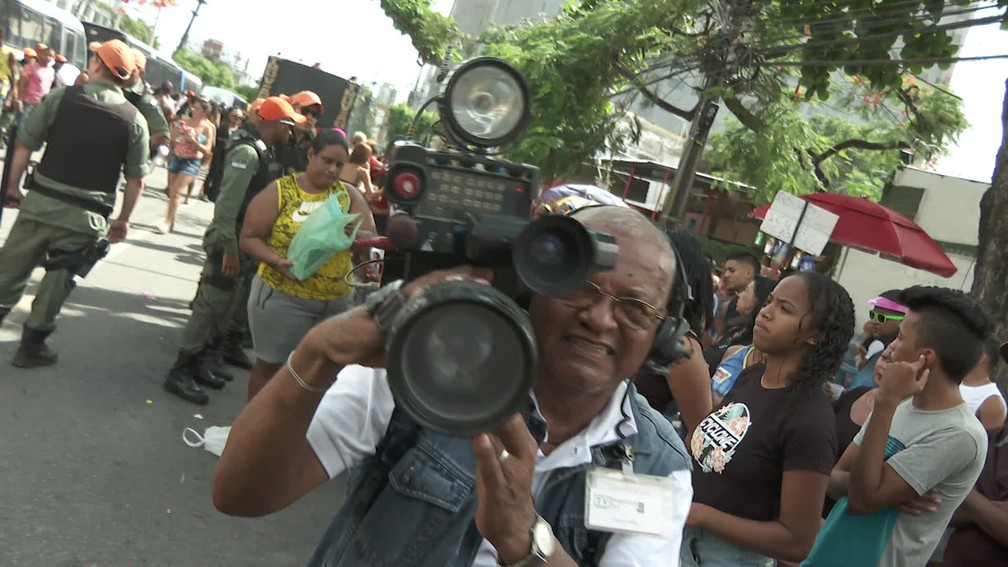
(31, 27)
(74, 48)
(53, 35)
(12, 14)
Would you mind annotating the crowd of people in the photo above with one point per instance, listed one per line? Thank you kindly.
(775, 436)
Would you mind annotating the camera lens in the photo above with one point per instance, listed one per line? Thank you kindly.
(461, 358)
(548, 250)
(554, 255)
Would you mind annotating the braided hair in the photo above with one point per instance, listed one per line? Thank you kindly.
(832, 320)
(699, 313)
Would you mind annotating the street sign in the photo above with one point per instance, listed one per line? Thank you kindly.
(800, 223)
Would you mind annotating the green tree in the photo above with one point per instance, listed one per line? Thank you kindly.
(247, 92)
(137, 28)
(822, 150)
(398, 120)
(585, 65)
(218, 74)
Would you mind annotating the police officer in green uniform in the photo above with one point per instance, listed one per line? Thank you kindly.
(248, 168)
(92, 135)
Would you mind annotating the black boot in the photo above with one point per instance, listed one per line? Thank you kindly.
(232, 352)
(180, 381)
(33, 352)
(213, 360)
(204, 375)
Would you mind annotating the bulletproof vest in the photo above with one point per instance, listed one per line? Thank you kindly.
(87, 142)
(269, 169)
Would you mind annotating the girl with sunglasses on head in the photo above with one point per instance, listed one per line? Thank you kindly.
(762, 459)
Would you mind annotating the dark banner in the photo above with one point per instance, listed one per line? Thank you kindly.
(287, 77)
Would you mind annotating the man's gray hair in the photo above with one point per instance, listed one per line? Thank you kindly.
(632, 228)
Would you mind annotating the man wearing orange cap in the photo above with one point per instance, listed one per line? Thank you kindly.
(92, 135)
(35, 83)
(248, 168)
(294, 154)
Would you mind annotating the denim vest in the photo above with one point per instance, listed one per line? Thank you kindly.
(414, 501)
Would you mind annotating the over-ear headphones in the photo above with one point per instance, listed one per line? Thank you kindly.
(668, 348)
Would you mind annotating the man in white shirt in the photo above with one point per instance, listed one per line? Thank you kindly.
(436, 500)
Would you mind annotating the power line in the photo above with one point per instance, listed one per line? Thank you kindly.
(877, 18)
(928, 61)
(784, 49)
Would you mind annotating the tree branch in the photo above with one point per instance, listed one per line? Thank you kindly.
(745, 116)
(906, 97)
(666, 106)
(853, 143)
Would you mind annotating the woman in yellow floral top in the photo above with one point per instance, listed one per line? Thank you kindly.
(281, 307)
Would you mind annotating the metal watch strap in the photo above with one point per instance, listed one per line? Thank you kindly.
(540, 553)
(384, 304)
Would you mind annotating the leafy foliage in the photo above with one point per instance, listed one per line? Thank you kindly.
(137, 28)
(573, 63)
(398, 120)
(579, 63)
(853, 151)
(432, 33)
(247, 92)
(218, 74)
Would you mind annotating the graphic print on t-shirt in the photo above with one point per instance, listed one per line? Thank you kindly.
(302, 213)
(718, 435)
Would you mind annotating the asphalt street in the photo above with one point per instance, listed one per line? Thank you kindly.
(93, 468)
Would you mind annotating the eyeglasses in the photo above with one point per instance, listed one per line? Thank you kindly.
(884, 318)
(309, 113)
(634, 313)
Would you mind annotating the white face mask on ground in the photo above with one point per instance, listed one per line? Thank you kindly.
(213, 439)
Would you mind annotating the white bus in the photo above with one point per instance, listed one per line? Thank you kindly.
(28, 22)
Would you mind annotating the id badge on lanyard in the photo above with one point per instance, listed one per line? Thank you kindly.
(624, 502)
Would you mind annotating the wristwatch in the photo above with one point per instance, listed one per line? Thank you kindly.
(543, 546)
(384, 304)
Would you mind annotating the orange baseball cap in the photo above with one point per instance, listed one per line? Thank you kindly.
(304, 99)
(141, 60)
(276, 108)
(117, 57)
(60, 59)
(29, 52)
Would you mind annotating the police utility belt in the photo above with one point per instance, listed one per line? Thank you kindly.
(81, 202)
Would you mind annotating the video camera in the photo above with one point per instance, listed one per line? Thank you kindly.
(462, 356)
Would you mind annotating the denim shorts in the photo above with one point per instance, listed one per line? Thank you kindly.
(700, 547)
(188, 166)
(279, 321)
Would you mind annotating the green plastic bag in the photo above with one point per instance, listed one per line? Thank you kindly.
(321, 236)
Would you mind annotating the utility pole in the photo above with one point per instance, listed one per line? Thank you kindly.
(185, 36)
(686, 170)
(718, 67)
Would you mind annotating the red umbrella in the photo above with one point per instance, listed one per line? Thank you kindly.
(870, 226)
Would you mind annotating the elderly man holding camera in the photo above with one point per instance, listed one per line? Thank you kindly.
(513, 496)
